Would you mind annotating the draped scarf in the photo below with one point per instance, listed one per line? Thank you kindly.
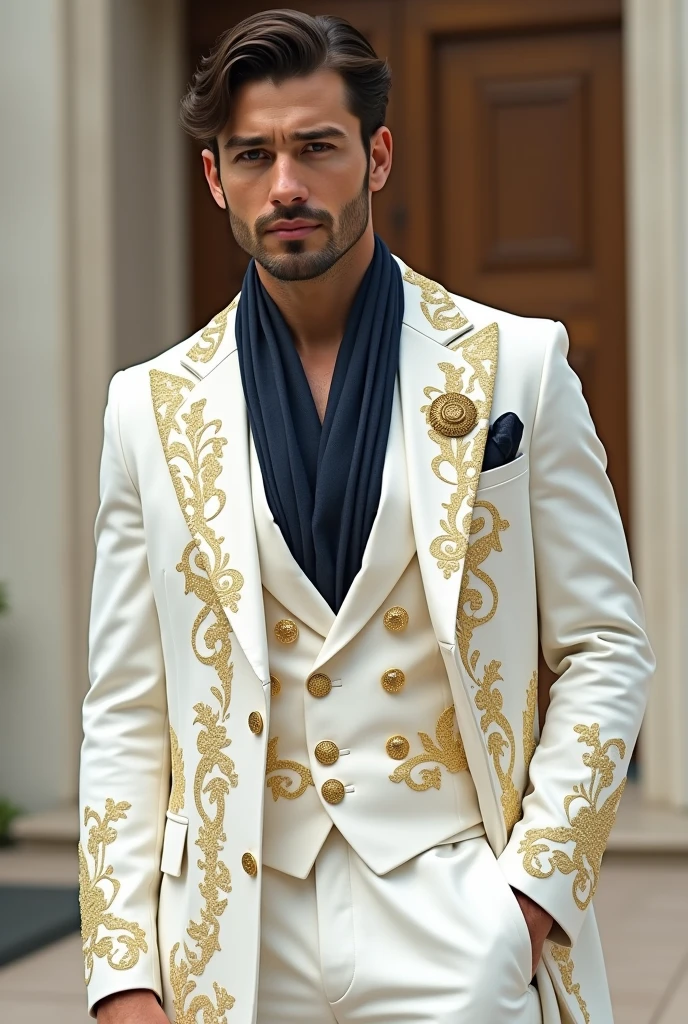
(323, 481)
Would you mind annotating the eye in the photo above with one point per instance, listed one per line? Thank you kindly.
(251, 156)
(318, 147)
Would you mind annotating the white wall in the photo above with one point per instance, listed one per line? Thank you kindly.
(36, 699)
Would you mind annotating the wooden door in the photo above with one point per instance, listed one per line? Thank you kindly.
(507, 184)
(515, 182)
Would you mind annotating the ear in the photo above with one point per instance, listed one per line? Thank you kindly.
(212, 176)
(380, 158)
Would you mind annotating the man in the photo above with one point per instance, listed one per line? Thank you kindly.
(334, 527)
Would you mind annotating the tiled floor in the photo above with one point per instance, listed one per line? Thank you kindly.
(642, 907)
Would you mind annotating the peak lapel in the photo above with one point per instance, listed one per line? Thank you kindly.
(204, 433)
(443, 471)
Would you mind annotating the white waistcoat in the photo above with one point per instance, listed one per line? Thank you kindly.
(380, 747)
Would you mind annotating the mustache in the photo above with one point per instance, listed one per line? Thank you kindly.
(293, 213)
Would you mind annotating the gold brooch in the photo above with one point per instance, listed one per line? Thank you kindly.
(453, 415)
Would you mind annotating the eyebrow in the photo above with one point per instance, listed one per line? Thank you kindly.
(311, 135)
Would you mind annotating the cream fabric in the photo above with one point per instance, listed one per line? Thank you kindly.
(358, 714)
(440, 940)
(179, 654)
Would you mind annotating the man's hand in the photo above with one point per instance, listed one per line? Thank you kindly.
(539, 924)
(139, 1006)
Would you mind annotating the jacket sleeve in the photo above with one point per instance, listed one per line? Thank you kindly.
(592, 637)
(124, 784)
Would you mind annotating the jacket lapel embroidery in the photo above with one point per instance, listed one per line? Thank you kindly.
(444, 471)
(206, 346)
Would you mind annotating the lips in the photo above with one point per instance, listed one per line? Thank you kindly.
(293, 229)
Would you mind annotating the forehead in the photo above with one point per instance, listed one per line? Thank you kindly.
(265, 107)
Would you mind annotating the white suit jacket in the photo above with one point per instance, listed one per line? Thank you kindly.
(531, 551)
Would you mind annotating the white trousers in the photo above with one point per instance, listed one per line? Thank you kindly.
(439, 940)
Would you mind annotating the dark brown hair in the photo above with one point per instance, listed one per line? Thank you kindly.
(283, 44)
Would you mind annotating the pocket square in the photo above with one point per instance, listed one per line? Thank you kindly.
(503, 439)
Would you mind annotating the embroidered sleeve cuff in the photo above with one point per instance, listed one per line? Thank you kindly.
(553, 894)
(107, 980)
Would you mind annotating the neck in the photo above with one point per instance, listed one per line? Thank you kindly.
(316, 311)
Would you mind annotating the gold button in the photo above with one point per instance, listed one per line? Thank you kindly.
(319, 685)
(333, 791)
(397, 747)
(248, 863)
(286, 631)
(393, 680)
(453, 415)
(255, 723)
(275, 686)
(396, 619)
(327, 752)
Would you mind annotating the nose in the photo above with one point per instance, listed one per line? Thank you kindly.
(287, 187)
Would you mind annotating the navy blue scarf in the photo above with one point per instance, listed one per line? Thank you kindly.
(323, 481)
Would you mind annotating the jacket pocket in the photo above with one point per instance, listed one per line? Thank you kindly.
(174, 844)
(504, 474)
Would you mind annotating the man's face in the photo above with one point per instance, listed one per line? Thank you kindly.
(294, 174)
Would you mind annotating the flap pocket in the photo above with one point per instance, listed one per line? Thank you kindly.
(174, 844)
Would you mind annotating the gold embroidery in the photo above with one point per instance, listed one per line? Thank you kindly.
(205, 348)
(462, 457)
(98, 892)
(194, 469)
(562, 957)
(501, 743)
(529, 741)
(216, 586)
(447, 316)
(178, 781)
(447, 750)
(279, 784)
(588, 830)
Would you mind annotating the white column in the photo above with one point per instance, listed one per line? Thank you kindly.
(37, 721)
(657, 160)
(92, 277)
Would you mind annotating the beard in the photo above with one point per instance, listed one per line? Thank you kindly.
(297, 263)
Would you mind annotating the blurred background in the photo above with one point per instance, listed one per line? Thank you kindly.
(541, 165)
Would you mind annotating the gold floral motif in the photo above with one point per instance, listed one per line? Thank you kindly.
(207, 345)
(97, 893)
(280, 785)
(447, 316)
(562, 957)
(194, 465)
(460, 459)
(194, 468)
(447, 750)
(501, 743)
(178, 781)
(588, 830)
(529, 741)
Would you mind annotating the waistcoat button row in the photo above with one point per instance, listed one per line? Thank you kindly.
(327, 752)
(396, 619)
(286, 631)
(319, 685)
(398, 747)
(248, 863)
(393, 680)
(333, 791)
(255, 723)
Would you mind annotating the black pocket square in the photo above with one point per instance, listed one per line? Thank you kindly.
(503, 439)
